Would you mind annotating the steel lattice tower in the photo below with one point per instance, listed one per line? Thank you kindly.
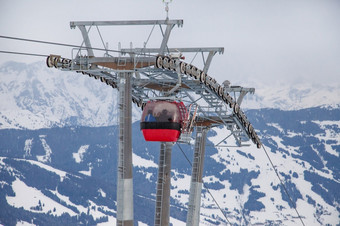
(141, 74)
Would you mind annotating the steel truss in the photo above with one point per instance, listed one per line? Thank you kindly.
(161, 73)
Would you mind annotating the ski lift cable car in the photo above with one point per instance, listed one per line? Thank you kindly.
(163, 120)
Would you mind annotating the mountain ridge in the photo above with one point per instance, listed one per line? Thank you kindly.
(52, 125)
(305, 151)
(34, 96)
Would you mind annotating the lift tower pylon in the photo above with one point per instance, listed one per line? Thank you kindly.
(162, 213)
(193, 216)
(124, 175)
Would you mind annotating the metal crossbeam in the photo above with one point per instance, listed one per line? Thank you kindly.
(219, 50)
(73, 24)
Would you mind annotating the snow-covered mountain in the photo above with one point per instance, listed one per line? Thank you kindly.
(69, 174)
(291, 96)
(33, 96)
(53, 170)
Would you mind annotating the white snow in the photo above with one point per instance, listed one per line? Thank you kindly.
(102, 193)
(37, 97)
(28, 197)
(78, 156)
(60, 173)
(176, 222)
(144, 165)
(275, 125)
(112, 221)
(290, 96)
(88, 172)
(63, 95)
(5, 167)
(28, 147)
(231, 200)
(3, 183)
(141, 162)
(331, 135)
(65, 199)
(180, 184)
(92, 207)
(24, 223)
(47, 157)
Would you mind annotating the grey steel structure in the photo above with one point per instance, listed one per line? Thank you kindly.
(162, 212)
(193, 216)
(141, 74)
(124, 171)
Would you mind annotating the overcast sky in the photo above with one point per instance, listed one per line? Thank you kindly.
(267, 40)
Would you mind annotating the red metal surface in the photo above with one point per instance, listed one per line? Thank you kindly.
(161, 135)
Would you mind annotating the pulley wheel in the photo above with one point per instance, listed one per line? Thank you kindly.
(159, 62)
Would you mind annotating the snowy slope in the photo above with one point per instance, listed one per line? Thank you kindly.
(265, 187)
(34, 96)
(304, 146)
(291, 96)
(76, 166)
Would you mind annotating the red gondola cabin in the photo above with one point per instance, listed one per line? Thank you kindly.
(163, 120)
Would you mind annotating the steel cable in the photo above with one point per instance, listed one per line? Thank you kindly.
(67, 45)
(21, 53)
(284, 187)
(204, 185)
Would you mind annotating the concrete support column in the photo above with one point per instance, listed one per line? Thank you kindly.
(193, 216)
(162, 213)
(124, 177)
